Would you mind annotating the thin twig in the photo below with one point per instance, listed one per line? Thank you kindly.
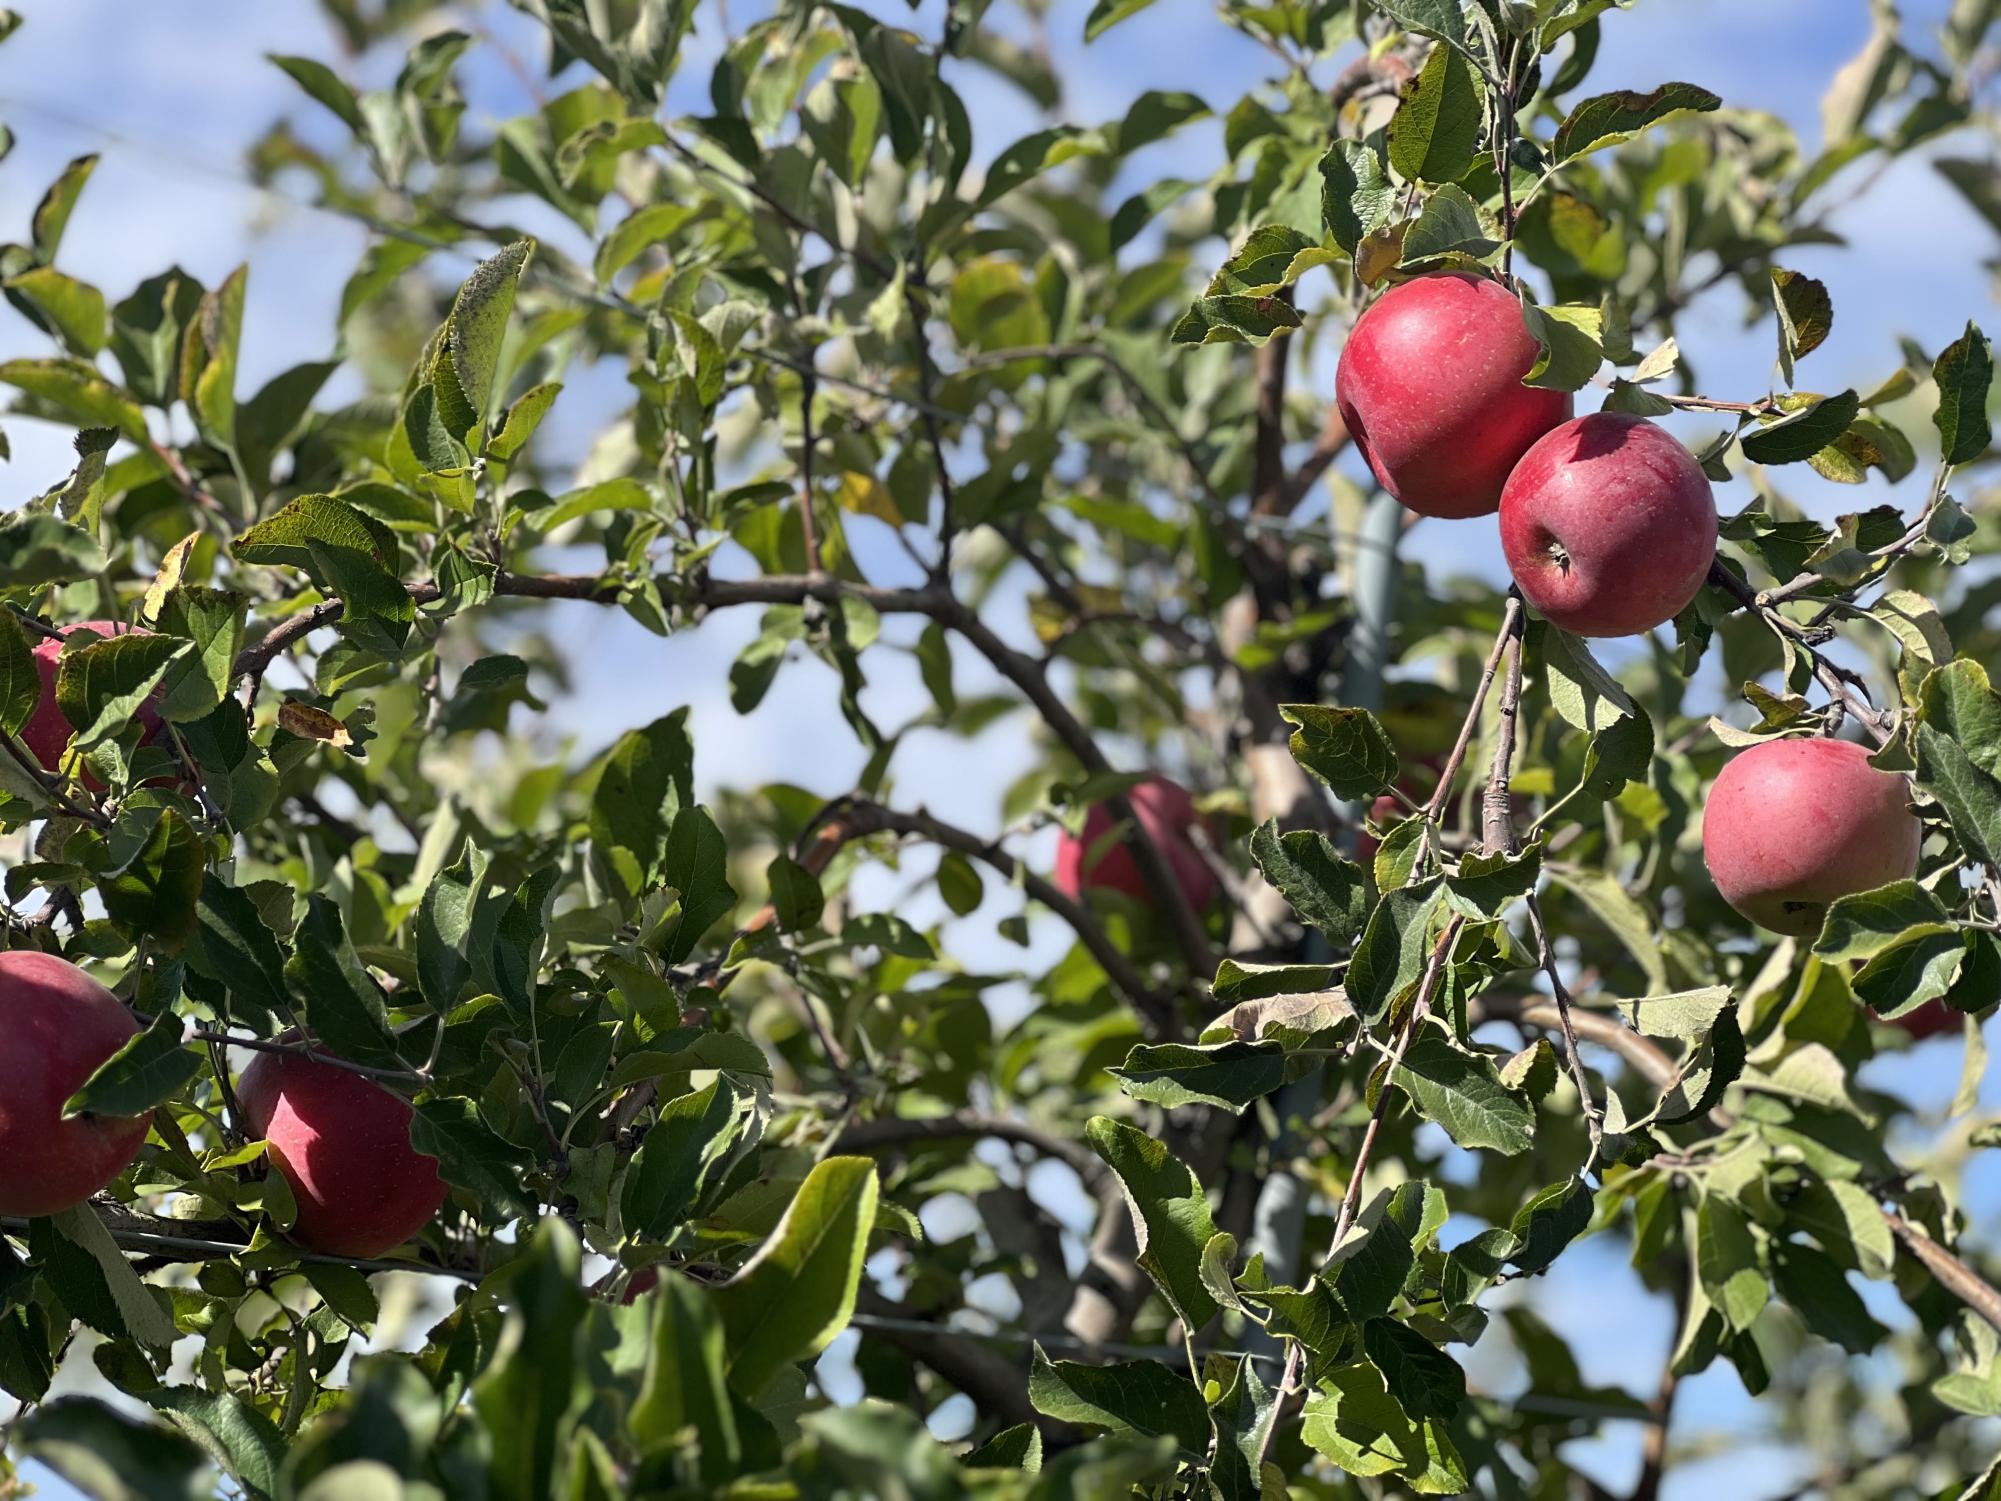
(1511, 615)
(1594, 1117)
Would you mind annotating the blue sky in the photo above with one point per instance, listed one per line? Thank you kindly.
(170, 93)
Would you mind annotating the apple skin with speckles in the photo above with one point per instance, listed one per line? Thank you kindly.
(57, 1026)
(1609, 525)
(1087, 862)
(1793, 825)
(342, 1143)
(1430, 387)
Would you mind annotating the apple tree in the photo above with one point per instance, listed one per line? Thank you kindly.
(392, 1104)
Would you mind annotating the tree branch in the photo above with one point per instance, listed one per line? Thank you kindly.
(1156, 1009)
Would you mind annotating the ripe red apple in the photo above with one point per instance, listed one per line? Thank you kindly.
(1430, 386)
(56, 1026)
(343, 1144)
(47, 731)
(1609, 525)
(1793, 824)
(1167, 813)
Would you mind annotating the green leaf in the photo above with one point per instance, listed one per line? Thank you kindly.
(1821, 1295)
(1242, 980)
(468, 348)
(244, 1443)
(1437, 126)
(1234, 320)
(323, 84)
(1423, 1378)
(1170, 1213)
(20, 679)
(959, 883)
(110, 1457)
(208, 360)
(76, 390)
(1229, 1075)
(1356, 194)
(530, 1398)
(234, 947)
(98, 1285)
(648, 778)
(1571, 349)
(1863, 925)
(1729, 1262)
(37, 548)
(1390, 959)
(1613, 905)
(101, 684)
(1346, 748)
(1353, 1420)
(1970, 796)
(1485, 886)
(1327, 891)
(1546, 1224)
(685, 1385)
(1463, 1093)
(52, 214)
(1580, 690)
(1106, 14)
(1685, 1014)
(798, 1291)
(1449, 224)
(199, 680)
(667, 1175)
(1442, 20)
(523, 418)
(155, 894)
(1608, 119)
(444, 923)
(469, 1155)
(146, 1071)
(1803, 431)
(1716, 1064)
(697, 866)
(1142, 1396)
(344, 1005)
(1963, 372)
(1806, 316)
(73, 310)
(797, 901)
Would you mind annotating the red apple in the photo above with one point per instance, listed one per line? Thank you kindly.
(1430, 386)
(47, 732)
(1934, 1020)
(1167, 813)
(1793, 824)
(1609, 525)
(343, 1144)
(56, 1026)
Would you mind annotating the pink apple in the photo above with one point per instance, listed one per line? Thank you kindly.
(1165, 810)
(1791, 825)
(57, 1025)
(1430, 386)
(343, 1144)
(1609, 525)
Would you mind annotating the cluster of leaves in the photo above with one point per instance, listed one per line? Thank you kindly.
(656, 1034)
